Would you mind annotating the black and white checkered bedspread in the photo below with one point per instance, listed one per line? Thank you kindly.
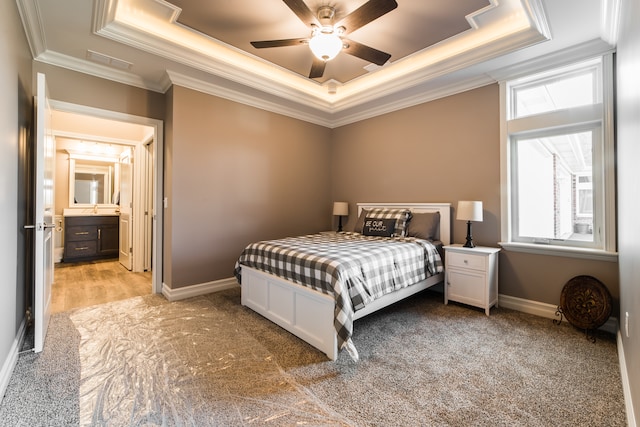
(353, 268)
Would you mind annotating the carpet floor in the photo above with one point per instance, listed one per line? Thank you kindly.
(208, 361)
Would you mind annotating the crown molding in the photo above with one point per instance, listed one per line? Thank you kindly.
(294, 111)
(562, 57)
(538, 17)
(161, 36)
(32, 23)
(97, 70)
(406, 100)
(442, 68)
(611, 21)
(501, 27)
(222, 70)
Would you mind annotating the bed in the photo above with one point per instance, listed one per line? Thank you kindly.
(280, 281)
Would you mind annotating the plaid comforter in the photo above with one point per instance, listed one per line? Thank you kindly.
(355, 269)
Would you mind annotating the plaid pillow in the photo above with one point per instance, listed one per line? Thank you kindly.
(401, 216)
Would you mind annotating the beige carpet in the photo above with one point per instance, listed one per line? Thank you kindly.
(209, 361)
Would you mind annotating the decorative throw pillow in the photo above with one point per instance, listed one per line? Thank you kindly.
(424, 225)
(400, 215)
(379, 227)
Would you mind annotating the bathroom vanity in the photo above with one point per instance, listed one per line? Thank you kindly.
(90, 237)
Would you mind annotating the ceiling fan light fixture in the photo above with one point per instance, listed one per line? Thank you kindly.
(325, 46)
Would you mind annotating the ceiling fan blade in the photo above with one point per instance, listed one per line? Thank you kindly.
(366, 13)
(302, 11)
(317, 68)
(365, 52)
(279, 43)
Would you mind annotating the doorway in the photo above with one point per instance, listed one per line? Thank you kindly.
(142, 138)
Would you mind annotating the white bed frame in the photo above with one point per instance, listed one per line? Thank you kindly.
(309, 314)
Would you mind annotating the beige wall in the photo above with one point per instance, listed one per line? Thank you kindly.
(16, 154)
(628, 135)
(167, 244)
(444, 151)
(237, 174)
(83, 89)
(62, 182)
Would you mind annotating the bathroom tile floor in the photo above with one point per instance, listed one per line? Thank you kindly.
(89, 283)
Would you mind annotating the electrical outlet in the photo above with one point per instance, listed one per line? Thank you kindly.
(626, 324)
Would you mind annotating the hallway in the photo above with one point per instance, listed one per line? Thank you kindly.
(84, 284)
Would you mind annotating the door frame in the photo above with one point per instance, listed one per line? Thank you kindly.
(158, 174)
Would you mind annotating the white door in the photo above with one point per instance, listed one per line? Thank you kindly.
(126, 210)
(44, 208)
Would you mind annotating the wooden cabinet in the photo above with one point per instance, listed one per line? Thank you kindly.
(471, 276)
(90, 237)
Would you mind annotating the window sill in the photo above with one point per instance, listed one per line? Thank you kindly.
(539, 249)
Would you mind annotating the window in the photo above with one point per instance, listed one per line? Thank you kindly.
(558, 160)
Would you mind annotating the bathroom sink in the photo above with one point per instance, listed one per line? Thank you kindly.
(90, 212)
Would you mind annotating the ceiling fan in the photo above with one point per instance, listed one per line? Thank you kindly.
(327, 38)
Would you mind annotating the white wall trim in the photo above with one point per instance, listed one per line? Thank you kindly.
(557, 250)
(280, 107)
(11, 360)
(96, 70)
(545, 310)
(626, 387)
(567, 56)
(30, 15)
(199, 289)
(414, 97)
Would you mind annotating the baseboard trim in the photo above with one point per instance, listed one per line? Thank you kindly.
(546, 310)
(199, 289)
(11, 360)
(626, 387)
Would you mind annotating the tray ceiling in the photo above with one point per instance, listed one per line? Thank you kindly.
(410, 28)
(437, 47)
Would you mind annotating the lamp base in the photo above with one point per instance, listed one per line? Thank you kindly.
(339, 223)
(469, 243)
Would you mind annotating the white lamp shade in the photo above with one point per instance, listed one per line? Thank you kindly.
(469, 211)
(340, 208)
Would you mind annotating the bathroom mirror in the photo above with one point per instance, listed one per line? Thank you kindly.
(92, 182)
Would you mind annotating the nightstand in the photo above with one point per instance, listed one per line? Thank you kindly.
(471, 276)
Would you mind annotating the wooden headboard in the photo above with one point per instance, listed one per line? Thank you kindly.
(443, 208)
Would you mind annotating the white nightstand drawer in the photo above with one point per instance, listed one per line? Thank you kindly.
(465, 260)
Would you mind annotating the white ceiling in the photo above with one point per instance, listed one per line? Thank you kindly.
(142, 43)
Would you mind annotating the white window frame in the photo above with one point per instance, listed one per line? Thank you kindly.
(600, 114)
